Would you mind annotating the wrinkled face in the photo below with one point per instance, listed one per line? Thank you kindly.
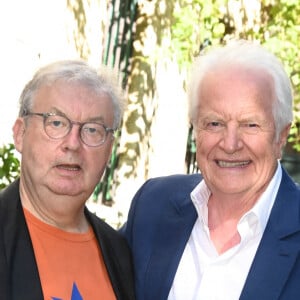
(237, 150)
(64, 166)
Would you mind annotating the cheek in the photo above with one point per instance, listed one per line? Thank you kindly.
(34, 162)
(34, 154)
(204, 147)
(97, 162)
(261, 143)
(205, 143)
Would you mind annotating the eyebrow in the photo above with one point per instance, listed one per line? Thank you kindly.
(93, 119)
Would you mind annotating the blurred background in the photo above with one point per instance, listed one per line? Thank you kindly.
(151, 44)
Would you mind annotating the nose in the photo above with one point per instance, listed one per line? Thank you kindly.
(231, 140)
(72, 140)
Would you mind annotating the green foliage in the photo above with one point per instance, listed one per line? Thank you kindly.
(294, 137)
(283, 36)
(9, 165)
(277, 27)
(194, 23)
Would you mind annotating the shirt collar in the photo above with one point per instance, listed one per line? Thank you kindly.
(261, 210)
(263, 206)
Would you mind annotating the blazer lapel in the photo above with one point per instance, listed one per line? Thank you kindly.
(101, 237)
(277, 252)
(113, 252)
(175, 229)
(22, 267)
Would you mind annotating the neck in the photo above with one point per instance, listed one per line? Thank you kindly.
(56, 211)
(223, 217)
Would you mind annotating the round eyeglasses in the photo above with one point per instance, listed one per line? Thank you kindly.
(57, 126)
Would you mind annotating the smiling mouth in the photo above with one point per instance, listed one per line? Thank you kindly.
(232, 164)
(69, 167)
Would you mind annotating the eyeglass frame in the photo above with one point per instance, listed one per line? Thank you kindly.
(81, 125)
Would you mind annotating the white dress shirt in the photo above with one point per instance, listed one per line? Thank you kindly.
(204, 274)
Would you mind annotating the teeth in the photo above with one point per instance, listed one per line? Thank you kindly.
(227, 164)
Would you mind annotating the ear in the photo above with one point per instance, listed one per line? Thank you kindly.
(282, 139)
(284, 135)
(18, 133)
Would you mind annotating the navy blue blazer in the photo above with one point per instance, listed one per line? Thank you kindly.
(160, 222)
(19, 277)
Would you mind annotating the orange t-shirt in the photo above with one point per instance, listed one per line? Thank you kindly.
(70, 264)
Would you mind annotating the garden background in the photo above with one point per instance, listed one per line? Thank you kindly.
(152, 44)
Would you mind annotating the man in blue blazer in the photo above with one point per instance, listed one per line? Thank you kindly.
(232, 232)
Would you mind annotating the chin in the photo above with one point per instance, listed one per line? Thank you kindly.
(232, 189)
(66, 190)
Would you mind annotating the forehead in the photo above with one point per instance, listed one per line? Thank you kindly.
(76, 100)
(71, 92)
(231, 74)
(236, 87)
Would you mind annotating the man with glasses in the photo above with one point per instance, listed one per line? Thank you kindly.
(51, 246)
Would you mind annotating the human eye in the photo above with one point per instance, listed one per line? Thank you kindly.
(93, 129)
(214, 125)
(90, 129)
(56, 122)
(251, 127)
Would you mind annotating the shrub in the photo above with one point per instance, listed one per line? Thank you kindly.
(9, 165)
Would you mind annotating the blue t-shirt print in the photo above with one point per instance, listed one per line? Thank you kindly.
(75, 294)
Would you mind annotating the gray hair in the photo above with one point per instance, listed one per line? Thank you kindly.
(102, 81)
(250, 55)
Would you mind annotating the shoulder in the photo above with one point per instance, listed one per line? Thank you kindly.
(174, 179)
(168, 187)
(11, 191)
(172, 182)
(288, 185)
(162, 204)
(99, 225)
(287, 202)
(105, 233)
(116, 254)
(162, 195)
(113, 245)
(10, 203)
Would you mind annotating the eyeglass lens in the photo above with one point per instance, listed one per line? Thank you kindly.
(92, 134)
